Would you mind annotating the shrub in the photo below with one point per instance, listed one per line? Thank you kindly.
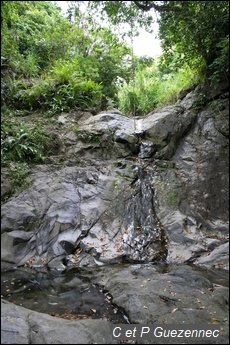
(21, 143)
(62, 89)
(18, 173)
(220, 66)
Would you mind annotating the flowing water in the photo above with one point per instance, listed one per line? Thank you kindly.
(72, 294)
(145, 239)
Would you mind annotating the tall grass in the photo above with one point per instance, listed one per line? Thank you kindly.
(151, 89)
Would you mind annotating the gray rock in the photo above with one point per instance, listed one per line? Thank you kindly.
(23, 326)
(92, 204)
(148, 294)
(111, 202)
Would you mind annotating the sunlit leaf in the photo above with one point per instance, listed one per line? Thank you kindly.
(174, 309)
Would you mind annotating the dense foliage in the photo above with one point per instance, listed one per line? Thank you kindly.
(53, 63)
(192, 32)
(198, 32)
(151, 88)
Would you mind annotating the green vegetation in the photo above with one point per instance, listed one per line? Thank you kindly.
(173, 199)
(191, 32)
(52, 63)
(22, 142)
(152, 88)
(195, 40)
(18, 175)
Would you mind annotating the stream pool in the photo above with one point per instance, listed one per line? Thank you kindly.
(71, 294)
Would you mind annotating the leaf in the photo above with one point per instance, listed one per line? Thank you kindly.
(174, 309)
(220, 264)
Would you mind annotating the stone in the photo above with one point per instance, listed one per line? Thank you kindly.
(84, 205)
(23, 326)
(102, 201)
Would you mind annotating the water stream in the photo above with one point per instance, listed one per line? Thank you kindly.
(72, 293)
(145, 239)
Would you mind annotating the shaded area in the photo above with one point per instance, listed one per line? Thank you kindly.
(147, 293)
(72, 295)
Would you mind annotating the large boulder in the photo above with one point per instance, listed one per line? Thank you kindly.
(135, 192)
(24, 326)
(144, 189)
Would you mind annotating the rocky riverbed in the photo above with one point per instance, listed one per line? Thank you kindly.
(140, 206)
(146, 294)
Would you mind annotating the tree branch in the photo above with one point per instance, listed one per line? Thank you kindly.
(147, 5)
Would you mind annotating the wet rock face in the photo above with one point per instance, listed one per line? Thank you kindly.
(85, 216)
(141, 208)
(144, 237)
(147, 149)
(148, 190)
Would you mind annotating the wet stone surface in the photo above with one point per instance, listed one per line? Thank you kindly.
(91, 300)
(70, 295)
(137, 230)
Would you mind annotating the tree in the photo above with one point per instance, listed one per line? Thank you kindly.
(25, 25)
(112, 56)
(52, 63)
(196, 31)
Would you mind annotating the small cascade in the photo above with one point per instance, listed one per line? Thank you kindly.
(147, 149)
(145, 239)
